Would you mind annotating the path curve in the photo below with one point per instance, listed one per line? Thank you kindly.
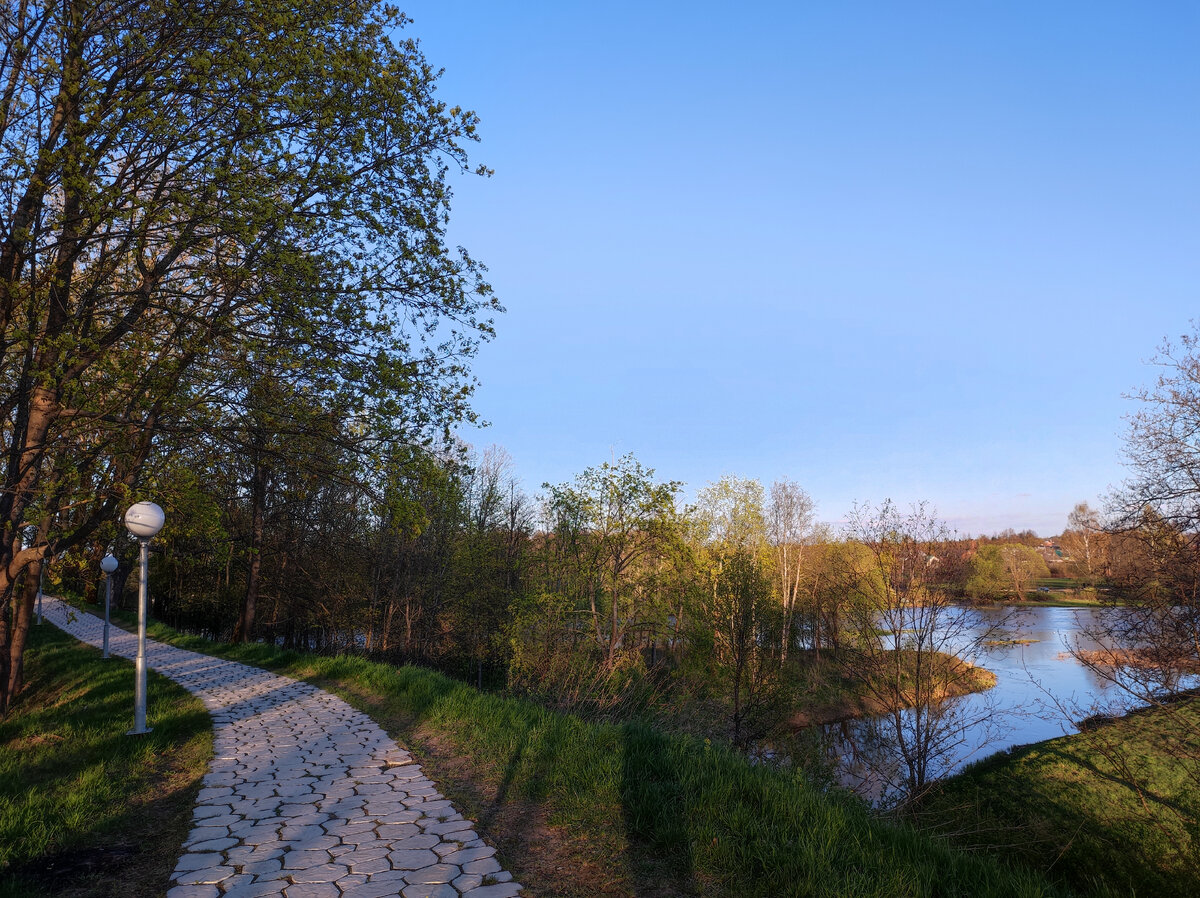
(306, 797)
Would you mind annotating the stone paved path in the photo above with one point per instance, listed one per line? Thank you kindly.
(306, 797)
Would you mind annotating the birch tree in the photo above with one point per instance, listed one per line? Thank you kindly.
(789, 530)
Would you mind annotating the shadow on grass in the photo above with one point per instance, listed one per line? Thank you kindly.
(655, 820)
(83, 807)
(128, 854)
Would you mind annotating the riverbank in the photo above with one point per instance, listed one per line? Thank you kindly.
(580, 809)
(1112, 810)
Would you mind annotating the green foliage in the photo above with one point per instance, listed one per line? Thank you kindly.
(612, 532)
(987, 579)
(730, 513)
(1004, 571)
(740, 611)
(225, 222)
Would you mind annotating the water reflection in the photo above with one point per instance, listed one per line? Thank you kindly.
(1041, 690)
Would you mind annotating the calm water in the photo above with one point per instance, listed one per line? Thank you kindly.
(1037, 685)
(1041, 690)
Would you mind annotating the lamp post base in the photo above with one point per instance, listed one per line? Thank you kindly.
(137, 732)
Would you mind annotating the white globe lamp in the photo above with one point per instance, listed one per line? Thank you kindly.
(108, 564)
(143, 520)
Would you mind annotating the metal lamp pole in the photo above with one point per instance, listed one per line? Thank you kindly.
(143, 520)
(108, 564)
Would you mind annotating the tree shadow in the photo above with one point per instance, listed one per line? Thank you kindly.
(655, 814)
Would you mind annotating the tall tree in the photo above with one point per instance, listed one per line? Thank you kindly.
(1086, 543)
(734, 611)
(1154, 641)
(1003, 571)
(619, 518)
(789, 529)
(164, 166)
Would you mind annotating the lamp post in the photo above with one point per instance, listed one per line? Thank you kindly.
(108, 564)
(143, 520)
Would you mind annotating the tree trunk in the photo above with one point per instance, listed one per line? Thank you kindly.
(26, 600)
(258, 499)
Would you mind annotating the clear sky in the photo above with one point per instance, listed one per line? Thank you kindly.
(906, 250)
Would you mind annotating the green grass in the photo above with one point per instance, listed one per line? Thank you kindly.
(1064, 593)
(1110, 811)
(83, 807)
(1061, 600)
(1058, 582)
(635, 811)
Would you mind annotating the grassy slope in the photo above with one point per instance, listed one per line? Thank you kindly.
(85, 809)
(581, 809)
(1070, 806)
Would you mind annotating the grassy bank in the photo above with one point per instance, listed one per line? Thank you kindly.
(84, 809)
(1062, 600)
(1110, 811)
(582, 809)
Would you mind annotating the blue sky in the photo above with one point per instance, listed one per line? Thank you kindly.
(915, 251)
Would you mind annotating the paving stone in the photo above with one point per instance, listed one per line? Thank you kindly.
(497, 890)
(467, 881)
(323, 873)
(393, 877)
(205, 834)
(258, 890)
(313, 890)
(212, 874)
(238, 880)
(300, 860)
(262, 868)
(399, 817)
(394, 831)
(205, 811)
(449, 826)
(213, 844)
(197, 861)
(302, 787)
(370, 890)
(422, 840)
(430, 890)
(485, 867)
(260, 835)
(202, 891)
(316, 841)
(369, 865)
(434, 873)
(223, 820)
(412, 860)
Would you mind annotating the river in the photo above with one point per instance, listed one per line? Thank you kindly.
(1041, 691)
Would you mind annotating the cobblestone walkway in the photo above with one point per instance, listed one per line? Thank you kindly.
(306, 797)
